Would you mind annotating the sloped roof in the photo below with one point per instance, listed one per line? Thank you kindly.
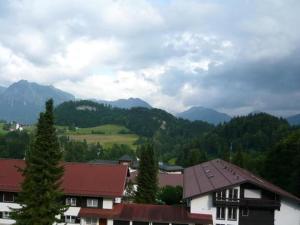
(218, 174)
(170, 168)
(84, 179)
(147, 212)
(126, 158)
(164, 179)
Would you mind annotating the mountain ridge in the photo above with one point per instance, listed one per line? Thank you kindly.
(294, 119)
(22, 101)
(126, 103)
(204, 114)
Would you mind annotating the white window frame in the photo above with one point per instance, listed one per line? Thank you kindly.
(221, 195)
(5, 215)
(222, 215)
(70, 219)
(231, 194)
(71, 201)
(230, 213)
(92, 202)
(91, 221)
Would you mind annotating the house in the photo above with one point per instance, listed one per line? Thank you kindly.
(234, 196)
(94, 195)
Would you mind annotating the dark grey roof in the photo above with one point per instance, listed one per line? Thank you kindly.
(126, 158)
(102, 161)
(170, 168)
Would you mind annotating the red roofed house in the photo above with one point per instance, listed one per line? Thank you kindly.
(94, 195)
(234, 196)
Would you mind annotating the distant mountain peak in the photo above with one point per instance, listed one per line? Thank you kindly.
(22, 101)
(127, 103)
(205, 114)
(294, 120)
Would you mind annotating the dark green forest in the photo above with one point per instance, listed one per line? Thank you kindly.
(261, 143)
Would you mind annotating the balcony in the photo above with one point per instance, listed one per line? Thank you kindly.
(257, 203)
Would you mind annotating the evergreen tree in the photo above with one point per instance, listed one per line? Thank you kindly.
(41, 195)
(238, 158)
(147, 183)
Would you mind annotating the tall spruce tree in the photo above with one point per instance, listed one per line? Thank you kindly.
(41, 195)
(147, 183)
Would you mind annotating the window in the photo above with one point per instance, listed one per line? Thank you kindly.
(245, 212)
(233, 194)
(8, 197)
(5, 215)
(71, 201)
(91, 221)
(221, 195)
(70, 219)
(92, 202)
(230, 193)
(220, 213)
(232, 211)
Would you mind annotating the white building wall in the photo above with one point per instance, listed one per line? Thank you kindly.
(289, 213)
(107, 203)
(110, 222)
(204, 205)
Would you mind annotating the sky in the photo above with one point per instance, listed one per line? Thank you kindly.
(236, 56)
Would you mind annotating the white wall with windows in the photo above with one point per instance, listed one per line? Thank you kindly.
(221, 215)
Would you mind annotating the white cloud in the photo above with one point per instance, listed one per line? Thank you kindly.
(173, 54)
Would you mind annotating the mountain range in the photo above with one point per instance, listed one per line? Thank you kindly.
(205, 114)
(23, 101)
(294, 120)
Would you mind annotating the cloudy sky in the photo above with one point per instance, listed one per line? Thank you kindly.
(236, 56)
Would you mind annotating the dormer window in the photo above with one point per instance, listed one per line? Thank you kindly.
(92, 202)
(71, 201)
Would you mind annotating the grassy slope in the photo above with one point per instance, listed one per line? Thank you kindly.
(107, 135)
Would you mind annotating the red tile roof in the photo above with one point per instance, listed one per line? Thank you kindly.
(79, 178)
(164, 179)
(218, 174)
(147, 212)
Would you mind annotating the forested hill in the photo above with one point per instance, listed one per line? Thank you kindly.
(142, 121)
